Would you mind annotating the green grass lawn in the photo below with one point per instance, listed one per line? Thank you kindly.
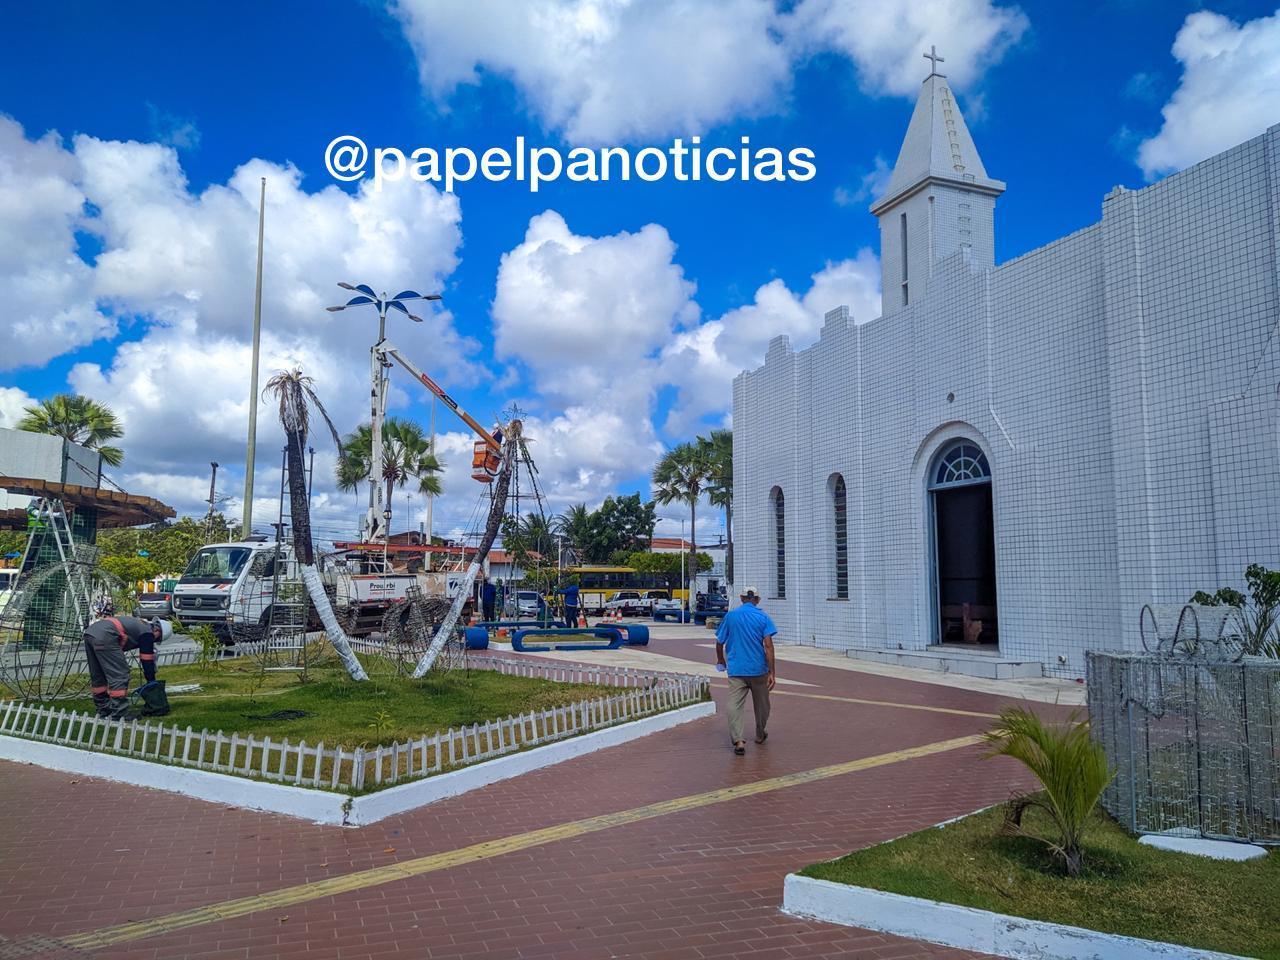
(236, 694)
(1126, 888)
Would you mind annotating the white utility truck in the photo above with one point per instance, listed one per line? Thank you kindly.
(229, 586)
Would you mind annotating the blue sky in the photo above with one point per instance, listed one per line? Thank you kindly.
(1060, 98)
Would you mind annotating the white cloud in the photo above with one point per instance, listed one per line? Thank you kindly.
(624, 70)
(702, 362)
(1227, 92)
(182, 263)
(885, 40)
(176, 255)
(871, 184)
(608, 70)
(578, 309)
(13, 404)
(589, 317)
(49, 304)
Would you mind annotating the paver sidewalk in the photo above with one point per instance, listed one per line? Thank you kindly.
(694, 883)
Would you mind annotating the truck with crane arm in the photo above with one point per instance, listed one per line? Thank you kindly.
(360, 578)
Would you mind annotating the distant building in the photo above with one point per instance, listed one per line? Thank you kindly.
(709, 581)
(1012, 460)
(38, 456)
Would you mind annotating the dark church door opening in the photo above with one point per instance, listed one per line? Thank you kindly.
(964, 547)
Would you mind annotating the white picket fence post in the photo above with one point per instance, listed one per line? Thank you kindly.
(635, 694)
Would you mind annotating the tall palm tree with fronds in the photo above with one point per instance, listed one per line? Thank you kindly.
(575, 526)
(296, 397)
(406, 455)
(719, 449)
(78, 419)
(681, 475)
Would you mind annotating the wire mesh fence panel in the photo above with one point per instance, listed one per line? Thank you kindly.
(1193, 742)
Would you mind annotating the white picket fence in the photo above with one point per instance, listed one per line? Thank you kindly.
(362, 768)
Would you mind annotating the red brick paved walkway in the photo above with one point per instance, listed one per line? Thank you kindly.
(696, 884)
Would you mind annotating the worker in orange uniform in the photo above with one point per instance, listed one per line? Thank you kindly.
(105, 642)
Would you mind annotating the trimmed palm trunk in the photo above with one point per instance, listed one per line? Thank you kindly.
(728, 534)
(304, 549)
(497, 510)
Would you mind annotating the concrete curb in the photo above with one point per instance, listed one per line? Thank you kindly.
(323, 806)
(967, 928)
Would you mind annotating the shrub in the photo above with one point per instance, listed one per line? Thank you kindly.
(1259, 612)
(1070, 766)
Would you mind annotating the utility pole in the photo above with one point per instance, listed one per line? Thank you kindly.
(251, 450)
(431, 497)
(378, 511)
(377, 518)
(213, 488)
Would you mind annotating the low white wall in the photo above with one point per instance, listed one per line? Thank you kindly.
(967, 928)
(372, 807)
(319, 806)
(322, 806)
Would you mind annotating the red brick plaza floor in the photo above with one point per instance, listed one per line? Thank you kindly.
(696, 883)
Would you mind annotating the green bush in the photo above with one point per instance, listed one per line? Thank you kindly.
(1259, 612)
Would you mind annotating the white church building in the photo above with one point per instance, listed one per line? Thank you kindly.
(999, 472)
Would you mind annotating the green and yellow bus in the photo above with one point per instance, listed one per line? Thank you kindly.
(597, 585)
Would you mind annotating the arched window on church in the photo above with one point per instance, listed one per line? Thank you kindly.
(779, 543)
(840, 523)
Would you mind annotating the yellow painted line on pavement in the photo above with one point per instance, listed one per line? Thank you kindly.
(362, 879)
(927, 708)
(887, 703)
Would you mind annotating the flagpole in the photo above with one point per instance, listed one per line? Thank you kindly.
(251, 451)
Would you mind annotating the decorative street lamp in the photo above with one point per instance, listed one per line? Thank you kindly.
(377, 518)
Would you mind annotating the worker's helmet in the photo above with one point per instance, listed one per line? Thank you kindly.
(166, 628)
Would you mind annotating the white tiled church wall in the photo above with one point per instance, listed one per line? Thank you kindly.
(1123, 381)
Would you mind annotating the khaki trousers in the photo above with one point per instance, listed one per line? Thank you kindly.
(739, 687)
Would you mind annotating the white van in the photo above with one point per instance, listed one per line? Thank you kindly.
(229, 585)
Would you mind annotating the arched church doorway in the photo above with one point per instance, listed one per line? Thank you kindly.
(964, 546)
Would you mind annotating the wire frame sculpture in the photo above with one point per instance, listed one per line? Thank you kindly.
(42, 627)
(270, 616)
(1193, 631)
(408, 628)
(1190, 726)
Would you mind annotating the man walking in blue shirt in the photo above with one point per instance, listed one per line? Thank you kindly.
(744, 648)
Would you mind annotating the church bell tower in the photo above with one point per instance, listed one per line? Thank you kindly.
(939, 201)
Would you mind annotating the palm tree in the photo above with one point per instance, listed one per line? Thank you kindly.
(1070, 765)
(79, 420)
(296, 397)
(719, 450)
(681, 475)
(575, 526)
(406, 455)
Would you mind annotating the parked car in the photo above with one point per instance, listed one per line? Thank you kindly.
(713, 603)
(654, 597)
(668, 603)
(629, 603)
(522, 605)
(154, 604)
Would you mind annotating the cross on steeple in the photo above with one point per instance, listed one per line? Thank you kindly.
(934, 60)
